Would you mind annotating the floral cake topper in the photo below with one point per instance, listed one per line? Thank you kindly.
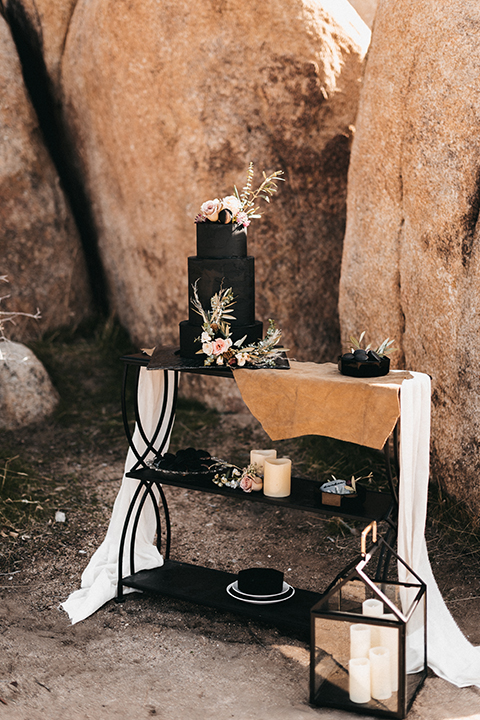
(240, 208)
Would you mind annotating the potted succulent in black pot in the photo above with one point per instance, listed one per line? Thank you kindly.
(365, 361)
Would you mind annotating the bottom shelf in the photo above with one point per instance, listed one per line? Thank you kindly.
(205, 586)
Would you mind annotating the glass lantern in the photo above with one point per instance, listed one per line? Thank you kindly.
(368, 645)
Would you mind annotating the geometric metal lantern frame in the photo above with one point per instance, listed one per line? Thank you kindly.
(368, 640)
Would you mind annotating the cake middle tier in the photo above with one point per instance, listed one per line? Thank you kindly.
(211, 274)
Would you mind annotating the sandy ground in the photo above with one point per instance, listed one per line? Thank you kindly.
(159, 657)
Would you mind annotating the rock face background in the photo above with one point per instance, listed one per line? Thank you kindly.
(411, 260)
(168, 102)
(40, 249)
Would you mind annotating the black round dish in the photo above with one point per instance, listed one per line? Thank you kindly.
(373, 367)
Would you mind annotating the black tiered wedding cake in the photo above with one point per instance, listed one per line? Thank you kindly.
(221, 262)
(221, 328)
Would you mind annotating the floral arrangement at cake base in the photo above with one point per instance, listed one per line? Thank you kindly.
(216, 340)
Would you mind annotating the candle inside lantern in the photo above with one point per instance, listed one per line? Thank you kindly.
(373, 608)
(389, 639)
(277, 477)
(359, 680)
(381, 685)
(359, 640)
(257, 457)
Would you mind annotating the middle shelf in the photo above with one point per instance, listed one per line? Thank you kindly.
(305, 495)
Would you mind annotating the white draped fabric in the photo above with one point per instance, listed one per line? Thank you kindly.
(99, 580)
(449, 653)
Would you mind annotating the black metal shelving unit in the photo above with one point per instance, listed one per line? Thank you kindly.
(206, 586)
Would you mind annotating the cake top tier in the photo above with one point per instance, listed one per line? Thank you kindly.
(219, 240)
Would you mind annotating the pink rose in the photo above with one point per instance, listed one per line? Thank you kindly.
(211, 208)
(220, 346)
(246, 483)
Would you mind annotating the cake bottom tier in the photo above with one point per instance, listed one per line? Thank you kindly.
(190, 334)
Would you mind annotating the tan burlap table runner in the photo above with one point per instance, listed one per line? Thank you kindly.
(313, 399)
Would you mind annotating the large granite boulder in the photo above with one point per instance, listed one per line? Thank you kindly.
(168, 103)
(40, 249)
(26, 391)
(366, 9)
(411, 261)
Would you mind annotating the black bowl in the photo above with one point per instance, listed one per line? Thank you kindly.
(372, 367)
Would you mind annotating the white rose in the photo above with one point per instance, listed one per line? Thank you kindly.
(207, 348)
(232, 203)
(205, 337)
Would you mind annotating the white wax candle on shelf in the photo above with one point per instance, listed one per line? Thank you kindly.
(257, 457)
(381, 684)
(277, 477)
(389, 639)
(359, 680)
(373, 608)
(360, 643)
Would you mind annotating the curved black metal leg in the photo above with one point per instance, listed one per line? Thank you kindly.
(146, 486)
(126, 426)
(121, 546)
(168, 527)
(150, 442)
(163, 420)
(156, 444)
(392, 518)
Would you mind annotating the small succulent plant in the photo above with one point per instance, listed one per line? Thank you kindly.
(381, 351)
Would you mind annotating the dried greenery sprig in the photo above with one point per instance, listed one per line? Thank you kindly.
(215, 319)
(383, 349)
(9, 316)
(265, 191)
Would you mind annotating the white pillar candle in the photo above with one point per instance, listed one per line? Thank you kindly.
(257, 457)
(359, 680)
(360, 642)
(381, 685)
(373, 608)
(389, 639)
(277, 475)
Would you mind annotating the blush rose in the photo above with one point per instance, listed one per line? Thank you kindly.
(211, 208)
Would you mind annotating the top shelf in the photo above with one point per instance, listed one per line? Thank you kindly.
(305, 495)
(169, 358)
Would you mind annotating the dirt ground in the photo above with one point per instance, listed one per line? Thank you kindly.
(159, 657)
